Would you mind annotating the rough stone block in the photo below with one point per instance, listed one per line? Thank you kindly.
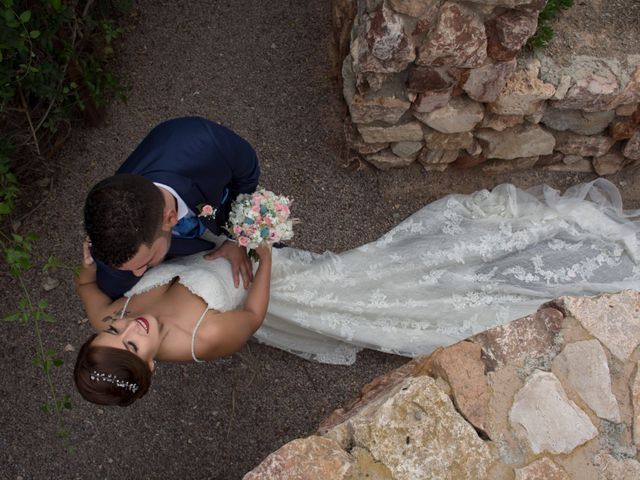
(517, 142)
(458, 39)
(544, 416)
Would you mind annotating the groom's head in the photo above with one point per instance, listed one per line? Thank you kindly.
(128, 222)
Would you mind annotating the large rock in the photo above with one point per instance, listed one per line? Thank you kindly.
(405, 132)
(357, 143)
(387, 104)
(414, 8)
(594, 86)
(311, 458)
(577, 121)
(609, 163)
(498, 167)
(544, 416)
(485, 83)
(623, 129)
(525, 5)
(437, 160)
(583, 366)
(372, 392)
(632, 147)
(461, 114)
(447, 141)
(417, 433)
(543, 469)
(468, 160)
(614, 319)
(583, 145)
(500, 122)
(635, 403)
(626, 110)
(580, 166)
(520, 141)
(386, 160)
(524, 93)
(406, 149)
(508, 32)
(433, 86)
(462, 367)
(367, 468)
(631, 91)
(539, 332)
(611, 468)
(380, 46)
(428, 79)
(458, 39)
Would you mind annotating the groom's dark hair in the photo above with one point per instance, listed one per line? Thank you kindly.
(121, 213)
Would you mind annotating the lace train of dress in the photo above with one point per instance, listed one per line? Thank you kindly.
(458, 266)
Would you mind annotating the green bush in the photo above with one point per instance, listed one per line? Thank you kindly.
(53, 58)
(544, 33)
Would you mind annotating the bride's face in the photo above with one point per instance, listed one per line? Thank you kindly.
(140, 335)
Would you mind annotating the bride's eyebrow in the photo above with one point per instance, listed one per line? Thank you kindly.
(108, 318)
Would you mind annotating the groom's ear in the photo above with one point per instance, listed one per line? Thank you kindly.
(169, 218)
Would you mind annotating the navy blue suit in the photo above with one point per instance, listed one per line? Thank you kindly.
(205, 163)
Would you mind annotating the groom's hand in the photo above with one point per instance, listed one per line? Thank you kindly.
(239, 260)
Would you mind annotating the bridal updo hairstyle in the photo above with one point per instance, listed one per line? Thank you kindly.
(121, 213)
(110, 376)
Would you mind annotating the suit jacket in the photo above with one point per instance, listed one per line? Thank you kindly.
(205, 163)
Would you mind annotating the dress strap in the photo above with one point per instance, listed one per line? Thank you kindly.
(193, 336)
(124, 309)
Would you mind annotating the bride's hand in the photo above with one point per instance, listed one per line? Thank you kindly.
(87, 258)
(264, 251)
(87, 274)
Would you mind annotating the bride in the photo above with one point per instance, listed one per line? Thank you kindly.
(458, 266)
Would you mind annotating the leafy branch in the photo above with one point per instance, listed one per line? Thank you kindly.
(545, 33)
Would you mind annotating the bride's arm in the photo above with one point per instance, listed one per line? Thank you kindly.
(227, 332)
(97, 304)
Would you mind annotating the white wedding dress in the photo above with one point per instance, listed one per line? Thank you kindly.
(458, 266)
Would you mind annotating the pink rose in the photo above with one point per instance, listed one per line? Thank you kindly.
(243, 241)
(207, 211)
(237, 229)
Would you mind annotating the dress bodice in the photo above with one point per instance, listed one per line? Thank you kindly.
(211, 280)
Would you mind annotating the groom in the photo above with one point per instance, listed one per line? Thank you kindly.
(171, 197)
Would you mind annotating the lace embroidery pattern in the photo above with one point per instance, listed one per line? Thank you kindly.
(456, 267)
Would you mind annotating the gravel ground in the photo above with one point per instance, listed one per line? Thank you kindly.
(262, 72)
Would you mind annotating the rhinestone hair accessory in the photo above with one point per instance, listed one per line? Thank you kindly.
(111, 378)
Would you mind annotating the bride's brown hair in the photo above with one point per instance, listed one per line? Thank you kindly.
(110, 376)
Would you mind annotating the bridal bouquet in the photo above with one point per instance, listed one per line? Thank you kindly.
(260, 217)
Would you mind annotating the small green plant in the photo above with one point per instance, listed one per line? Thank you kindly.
(54, 59)
(545, 33)
(18, 253)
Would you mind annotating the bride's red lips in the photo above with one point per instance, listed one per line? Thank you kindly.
(144, 323)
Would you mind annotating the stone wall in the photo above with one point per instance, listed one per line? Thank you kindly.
(449, 83)
(553, 396)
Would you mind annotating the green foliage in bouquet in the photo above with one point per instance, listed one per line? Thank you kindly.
(545, 33)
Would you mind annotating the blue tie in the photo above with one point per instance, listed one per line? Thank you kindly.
(189, 227)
